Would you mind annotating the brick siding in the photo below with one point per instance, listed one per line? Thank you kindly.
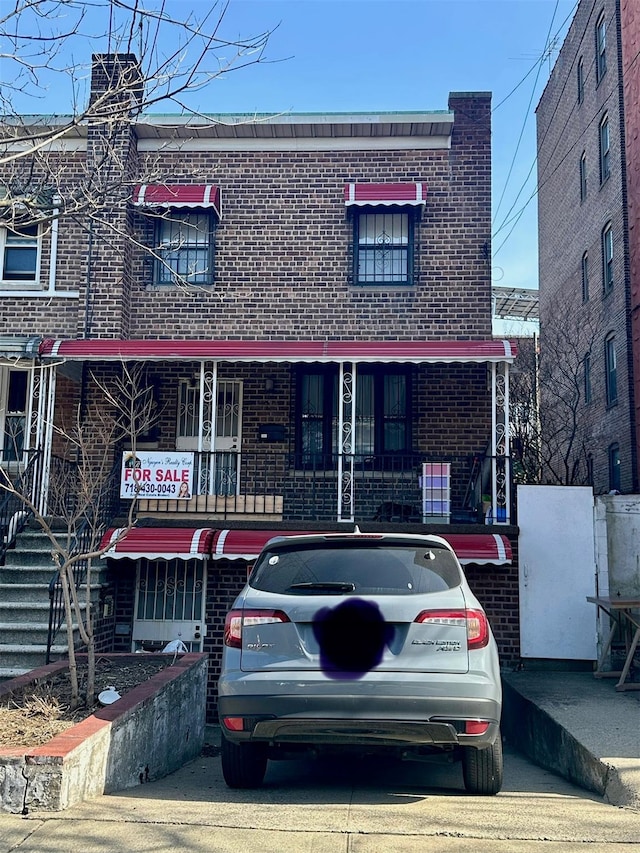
(569, 227)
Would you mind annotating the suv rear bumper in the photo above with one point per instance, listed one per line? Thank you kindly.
(343, 721)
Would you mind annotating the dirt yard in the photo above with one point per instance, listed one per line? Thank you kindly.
(33, 716)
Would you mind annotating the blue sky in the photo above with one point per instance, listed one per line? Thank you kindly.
(408, 55)
(369, 55)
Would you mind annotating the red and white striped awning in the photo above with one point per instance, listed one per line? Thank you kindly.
(199, 543)
(158, 543)
(385, 194)
(177, 196)
(416, 352)
(477, 548)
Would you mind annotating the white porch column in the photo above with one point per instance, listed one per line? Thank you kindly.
(346, 442)
(206, 426)
(39, 433)
(500, 444)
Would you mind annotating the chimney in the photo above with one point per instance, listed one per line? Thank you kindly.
(116, 85)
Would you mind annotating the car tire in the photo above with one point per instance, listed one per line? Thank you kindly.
(482, 769)
(243, 764)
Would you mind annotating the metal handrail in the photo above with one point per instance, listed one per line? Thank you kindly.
(14, 513)
(82, 540)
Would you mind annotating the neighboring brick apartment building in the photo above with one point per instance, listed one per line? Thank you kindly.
(310, 296)
(588, 197)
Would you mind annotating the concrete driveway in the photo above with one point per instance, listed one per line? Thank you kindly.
(361, 807)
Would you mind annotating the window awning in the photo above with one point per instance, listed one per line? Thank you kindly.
(177, 196)
(385, 194)
(478, 548)
(415, 352)
(159, 543)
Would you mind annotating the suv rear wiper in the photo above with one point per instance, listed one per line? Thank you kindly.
(331, 586)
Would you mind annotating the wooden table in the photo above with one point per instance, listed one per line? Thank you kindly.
(621, 612)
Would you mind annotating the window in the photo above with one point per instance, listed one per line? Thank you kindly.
(601, 48)
(614, 467)
(383, 247)
(587, 378)
(585, 277)
(580, 80)
(607, 257)
(611, 370)
(583, 176)
(184, 249)
(590, 469)
(13, 413)
(605, 150)
(19, 252)
(382, 414)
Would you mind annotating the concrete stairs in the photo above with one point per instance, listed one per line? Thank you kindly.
(24, 606)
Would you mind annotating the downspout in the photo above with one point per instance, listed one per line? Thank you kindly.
(88, 296)
(54, 245)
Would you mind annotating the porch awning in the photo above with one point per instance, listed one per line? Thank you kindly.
(159, 543)
(198, 543)
(416, 352)
(177, 196)
(478, 548)
(385, 194)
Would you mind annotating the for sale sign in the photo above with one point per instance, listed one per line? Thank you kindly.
(156, 474)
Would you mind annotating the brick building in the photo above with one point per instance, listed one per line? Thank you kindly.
(588, 198)
(310, 298)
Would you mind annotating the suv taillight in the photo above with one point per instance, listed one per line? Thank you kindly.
(475, 622)
(238, 619)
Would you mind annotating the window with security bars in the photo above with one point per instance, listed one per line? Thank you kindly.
(184, 249)
(170, 591)
(383, 243)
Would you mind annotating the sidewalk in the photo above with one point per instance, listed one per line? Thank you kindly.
(579, 727)
(568, 722)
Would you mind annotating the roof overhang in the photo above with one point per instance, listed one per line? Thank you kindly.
(300, 126)
(19, 346)
(417, 352)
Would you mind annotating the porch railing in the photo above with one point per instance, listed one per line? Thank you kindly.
(281, 486)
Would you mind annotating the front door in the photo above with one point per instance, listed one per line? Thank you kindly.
(170, 600)
(219, 474)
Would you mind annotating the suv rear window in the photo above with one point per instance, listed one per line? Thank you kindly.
(353, 568)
